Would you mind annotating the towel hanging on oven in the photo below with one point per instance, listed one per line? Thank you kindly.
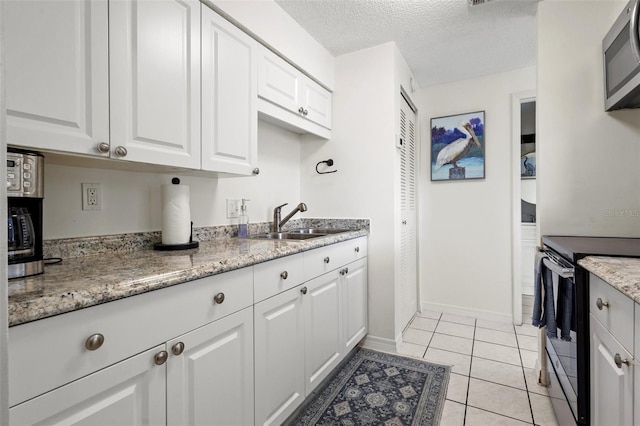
(554, 292)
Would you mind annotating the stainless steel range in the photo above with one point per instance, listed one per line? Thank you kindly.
(567, 348)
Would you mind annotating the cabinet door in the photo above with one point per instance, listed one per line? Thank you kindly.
(278, 81)
(154, 52)
(131, 392)
(611, 385)
(279, 357)
(229, 97)
(317, 103)
(354, 287)
(57, 87)
(323, 327)
(210, 380)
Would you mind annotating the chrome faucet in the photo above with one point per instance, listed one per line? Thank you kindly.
(277, 223)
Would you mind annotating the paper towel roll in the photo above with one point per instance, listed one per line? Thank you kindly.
(176, 214)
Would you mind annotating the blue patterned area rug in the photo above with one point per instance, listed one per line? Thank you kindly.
(375, 388)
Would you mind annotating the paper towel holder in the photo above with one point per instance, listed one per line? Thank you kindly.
(184, 246)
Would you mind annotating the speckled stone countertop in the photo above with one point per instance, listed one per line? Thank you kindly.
(622, 273)
(89, 280)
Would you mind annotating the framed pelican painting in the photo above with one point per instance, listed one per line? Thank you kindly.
(457, 147)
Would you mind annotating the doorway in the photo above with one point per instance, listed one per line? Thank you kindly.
(524, 199)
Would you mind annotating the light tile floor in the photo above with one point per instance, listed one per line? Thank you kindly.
(493, 380)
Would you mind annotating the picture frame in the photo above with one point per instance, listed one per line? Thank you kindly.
(458, 147)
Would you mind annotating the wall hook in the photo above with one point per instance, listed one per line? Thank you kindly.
(329, 163)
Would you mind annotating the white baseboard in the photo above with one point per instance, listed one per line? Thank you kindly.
(379, 344)
(476, 313)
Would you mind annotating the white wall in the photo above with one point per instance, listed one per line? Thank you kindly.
(588, 170)
(131, 201)
(363, 150)
(465, 227)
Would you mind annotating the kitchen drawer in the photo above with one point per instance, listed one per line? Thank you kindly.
(276, 276)
(325, 259)
(48, 353)
(617, 317)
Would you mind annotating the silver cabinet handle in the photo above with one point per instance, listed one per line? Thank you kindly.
(346, 271)
(284, 275)
(218, 298)
(303, 290)
(161, 357)
(357, 249)
(178, 348)
(256, 171)
(600, 304)
(121, 151)
(301, 110)
(305, 113)
(327, 260)
(103, 147)
(404, 222)
(619, 361)
(94, 342)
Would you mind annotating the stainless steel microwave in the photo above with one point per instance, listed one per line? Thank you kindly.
(621, 53)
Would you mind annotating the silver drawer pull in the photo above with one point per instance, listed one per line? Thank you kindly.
(619, 361)
(218, 298)
(284, 275)
(94, 342)
(357, 249)
(121, 151)
(161, 357)
(178, 348)
(327, 260)
(600, 304)
(303, 290)
(103, 147)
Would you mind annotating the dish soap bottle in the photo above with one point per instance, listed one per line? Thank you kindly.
(243, 225)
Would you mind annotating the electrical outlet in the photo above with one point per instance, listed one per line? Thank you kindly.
(91, 197)
(233, 208)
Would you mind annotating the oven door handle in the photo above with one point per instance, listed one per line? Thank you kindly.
(557, 269)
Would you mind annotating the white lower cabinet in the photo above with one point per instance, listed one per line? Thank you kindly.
(612, 361)
(611, 379)
(242, 355)
(303, 333)
(131, 392)
(279, 356)
(321, 304)
(355, 319)
(210, 373)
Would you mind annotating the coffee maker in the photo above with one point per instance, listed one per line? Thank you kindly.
(25, 192)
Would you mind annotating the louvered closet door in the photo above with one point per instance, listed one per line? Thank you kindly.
(408, 203)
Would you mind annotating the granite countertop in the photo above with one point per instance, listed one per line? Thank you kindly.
(85, 281)
(622, 273)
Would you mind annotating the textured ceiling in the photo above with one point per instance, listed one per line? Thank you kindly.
(441, 40)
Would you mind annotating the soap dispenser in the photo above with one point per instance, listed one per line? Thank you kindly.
(243, 225)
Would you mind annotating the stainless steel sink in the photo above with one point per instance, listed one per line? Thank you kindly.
(300, 234)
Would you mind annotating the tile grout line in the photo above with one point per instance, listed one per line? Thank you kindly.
(466, 401)
(533, 420)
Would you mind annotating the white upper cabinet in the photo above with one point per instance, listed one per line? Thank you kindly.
(290, 98)
(57, 74)
(229, 97)
(316, 102)
(154, 52)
